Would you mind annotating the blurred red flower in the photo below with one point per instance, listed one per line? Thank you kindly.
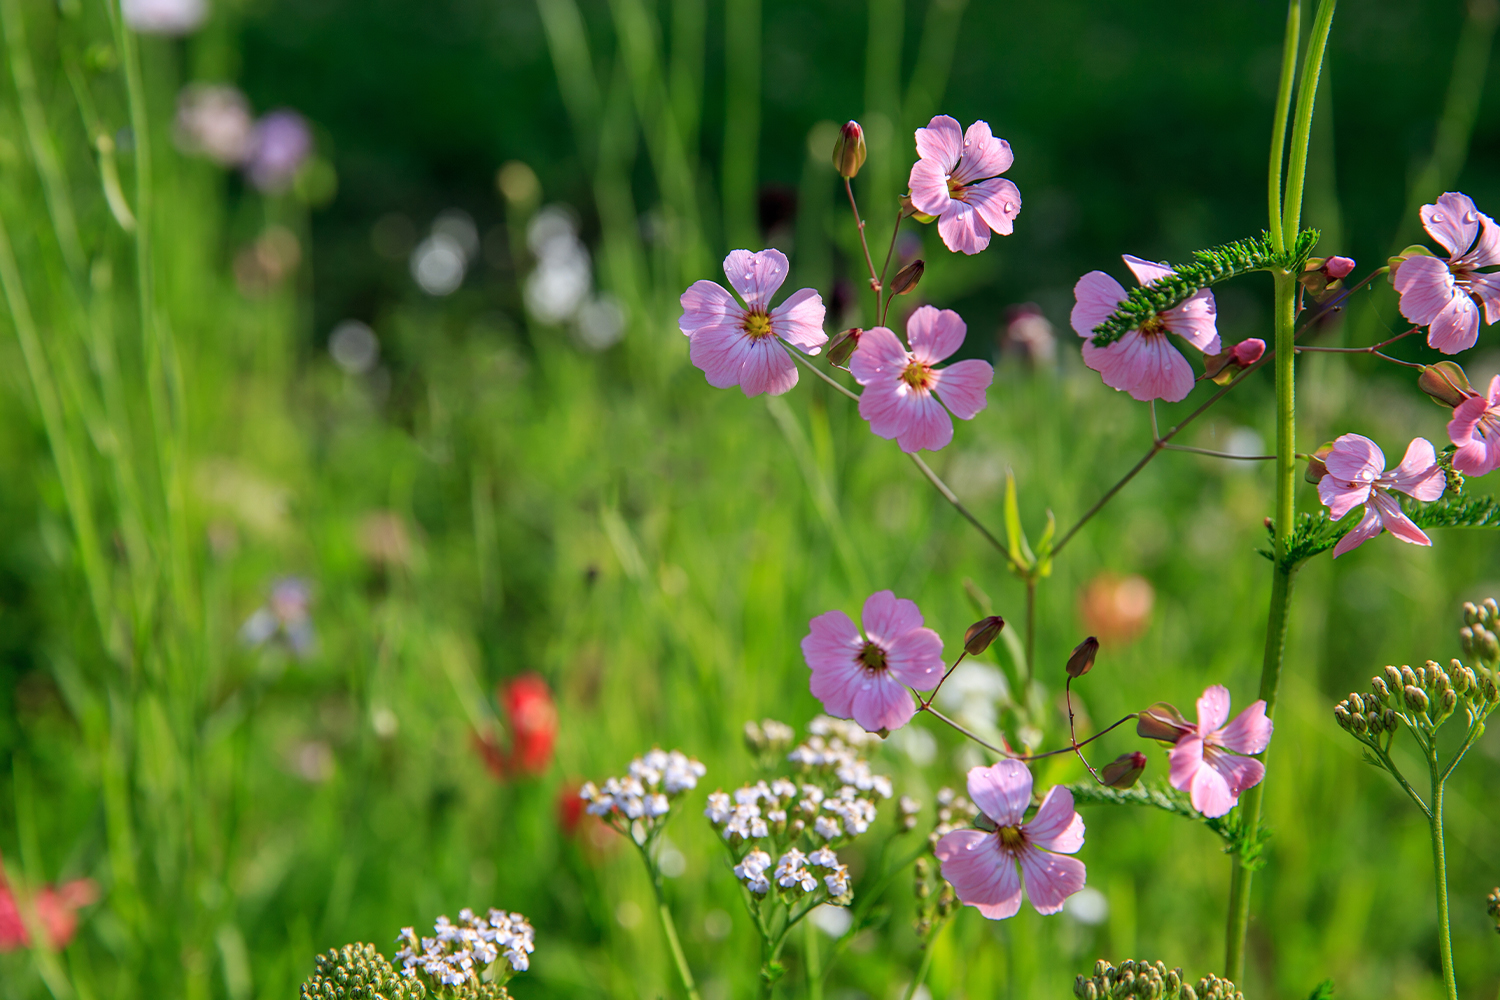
(55, 908)
(531, 716)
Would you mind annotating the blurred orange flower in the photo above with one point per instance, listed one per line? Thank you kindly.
(1116, 609)
(532, 719)
(57, 909)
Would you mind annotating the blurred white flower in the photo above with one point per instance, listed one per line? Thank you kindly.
(973, 693)
(458, 224)
(600, 323)
(438, 264)
(563, 275)
(831, 920)
(1087, 906)
(214, 121)
(164, 17)
(354, 347)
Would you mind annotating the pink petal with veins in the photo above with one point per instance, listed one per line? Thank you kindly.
(1050, 878)
(1368, 527)
(962, 230)
(1196, 321)
(1356, 457)
(1419, 475)
(756, 276)
(1394, 519)
(942, 140)
(983, 155)
(1002, 791)
(1213, 710)
(1146, 271)
(1456, 328)
(799, 320)
(706, 305)
(929, 187)
(1250, 732)
(983, 876)
(997, 201)
(961, 387)
(1098, 295)
(1056, 825)
(887, 617)
(934, 334)
(1453, 222)
(882, 702)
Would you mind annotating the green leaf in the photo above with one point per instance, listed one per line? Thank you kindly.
(1456, 512)
(1044, 546)
(1020, 551)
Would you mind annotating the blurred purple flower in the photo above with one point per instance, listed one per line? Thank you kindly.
(285, 613)
(279, 146)
(164, 17)
(213, 120)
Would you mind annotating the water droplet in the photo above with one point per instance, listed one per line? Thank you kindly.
(1471, 217)
(1007, 208)
(1438, 217)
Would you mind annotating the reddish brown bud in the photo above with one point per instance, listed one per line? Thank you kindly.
(983, 632)
(1082, 660)
(1162, 722)
(1125, 770)
(849, 151)
(842, 346)
(1446, 383)
(1317, 466)
(906, 279)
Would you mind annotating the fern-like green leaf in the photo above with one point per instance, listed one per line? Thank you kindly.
(1456, 512)
(1237, 840)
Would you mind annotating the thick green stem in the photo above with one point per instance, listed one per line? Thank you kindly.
(1440, 873)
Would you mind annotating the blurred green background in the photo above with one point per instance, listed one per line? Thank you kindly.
(494, 492)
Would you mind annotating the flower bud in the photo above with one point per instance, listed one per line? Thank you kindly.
(1228, 363)
(1356, 704)
(1490, 609)
(1341, 715)
(1489, 650)
(1338, 267)
(1492, 904)
(1416, 698)
(1082, 660)
(909, 211)
(1317, 466)
(1390, 720)
(1394, 679)
(1447, 384)
(1488, 688)
(1450, 699)
(1161, 722)
(906, 279)
(1408, 676)
(1471, 613)
(1382, 692)
(1464, 680)
(1124, 770)
(849, 151)
(983, 632)
(1466, 640)
(1358, 723)
(842, 346)
(1394, 263)
(1375, 721)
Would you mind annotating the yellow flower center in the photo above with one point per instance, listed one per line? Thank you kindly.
(956, 191)
(917, 375)
(1011, 837)
(757, 324)
(872, 656)
(1153, 326)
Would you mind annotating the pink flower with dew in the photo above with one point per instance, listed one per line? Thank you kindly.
(1357, 475)
(905, 395)
(866, 677)
(957, 179)
(1205, 760)
(986, 867)
(1442, 295)
(1475, 429)
(740, 345)
(1143, 362)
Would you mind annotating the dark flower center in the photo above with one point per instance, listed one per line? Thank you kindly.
(917, 375)
(757, 324)
(1154, 326)
(872, 657)
(1011, 837)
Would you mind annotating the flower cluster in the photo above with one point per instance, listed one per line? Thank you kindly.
(462, 954)
(646, 793)
(1150, 981)
(358, 970)
(799, 822)
(1422, 699)
(1208, 758)
(1478, 634)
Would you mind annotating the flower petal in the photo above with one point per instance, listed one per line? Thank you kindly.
(962, 230)
(887, 617)
(1213, 709)
(929, 187)
(962, 386)
(721, 353)
(1486, 287)
(981, 873)
(1002, 791)
(1146, 272)
(997, 201)
(1341, 496)
(879, 354)
(1250, 732)
(1456, 328)
(799, 320)
(933, 334)
(1196, 321)
(1239, 773)
(1453, 222)
(929, 428)
(756, 276)
(1211, 794)
(942, 140)
(890, 406)
(1395, 520)
(766, 368)
(1355, 457)
(882, 702)
(1050, 878)
(1426, 287)
(1418, 475)
(830, 649)
(1486, 252)
(1368, 527)
(916, 658)
(1056, 825)
(1477, 454)
(706, 304)
(1098, 295)
(1185, 759)
(1148, 367)
(983, 155)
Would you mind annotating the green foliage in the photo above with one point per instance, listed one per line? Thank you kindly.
(1312, 535)
(1208, 268)
(1160, 795)
(1150, 981)
(1322, 991)
(1455, 512)
(359, 972)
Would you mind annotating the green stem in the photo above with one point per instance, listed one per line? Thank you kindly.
(814, 962)
(921, 976)
(1030, 633)
(1440, 872)
(1283, 109)
(668, 926)
(1307, 91)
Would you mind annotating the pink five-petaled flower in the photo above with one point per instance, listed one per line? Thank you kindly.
(983, 865)
(866, 677)
(1204, 761)
(1440, 294)
(1475, 429)
(902, 389)
(956, 179)
(1357, 475)
(1143, 362)
(739, 345)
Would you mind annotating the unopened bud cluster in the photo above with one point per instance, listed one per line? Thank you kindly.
(646, 793)
(470, 959)
(1492, 906)
(1423, 698)
(1478, 634)
(1150, 981)
(934, 896)
(358, 972)
(782, 832)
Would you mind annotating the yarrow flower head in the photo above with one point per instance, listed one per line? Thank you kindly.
(865, 677)
(646, 793)
(1444, 295)
(986, 866)
(1475, 430)
(957, 179)
(1143, 362)
(1357, 475)
(740, 345)
(905, 395)
(1206, 757)
(462, 954)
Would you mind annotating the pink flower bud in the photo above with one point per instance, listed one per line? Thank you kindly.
(1338, 267)
(849, 151)
(1446, 383)
(1247, 352)
(1124, 770)
(1162, 722)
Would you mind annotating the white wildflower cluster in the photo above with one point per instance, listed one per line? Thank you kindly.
(834, 748)
(954, 813)
(646, 792)
(458, 954)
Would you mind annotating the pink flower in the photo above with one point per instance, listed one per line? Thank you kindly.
(957, 180)
(1204, 761)
(1143, 362)
(904, 395)
(739, 345)
(1247, 352)
(986, 867)
(1475, 428)
(866, 679)
(1357, 475)
(1338, 267)
(1441, 294)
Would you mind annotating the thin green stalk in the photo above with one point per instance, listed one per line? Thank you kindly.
(1030, 631)
(813, 960)
(922, 970)
(1283, 110)
(668, 925)
(1307, 92)
(1440, 872)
